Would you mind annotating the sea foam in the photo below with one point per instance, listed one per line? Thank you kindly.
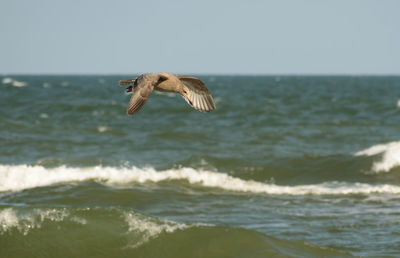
(13, 82)
(24, 221)
(19, 84)
(7, 80)
(148, 228)
(390, 156)
(20, 177)
(139, 228)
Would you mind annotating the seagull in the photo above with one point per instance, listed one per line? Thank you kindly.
(192, 89)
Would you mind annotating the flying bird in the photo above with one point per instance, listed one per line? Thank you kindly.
(190, 88)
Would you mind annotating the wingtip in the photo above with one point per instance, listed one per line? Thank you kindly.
(201, 102)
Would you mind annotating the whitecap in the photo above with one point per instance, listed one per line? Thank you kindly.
(46, 85)
(19, 177)
(102, 129)
(8, 219)
(390, 156)
(44, 116)
(19, 84)
(24, 221)
(144, 228)
(147, 228)
(7, 80)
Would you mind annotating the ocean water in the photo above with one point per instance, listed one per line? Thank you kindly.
(287, 166)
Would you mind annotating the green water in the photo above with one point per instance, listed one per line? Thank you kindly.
(287, 166)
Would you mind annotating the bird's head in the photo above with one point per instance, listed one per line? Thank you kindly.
(132, 83)
(130, 88)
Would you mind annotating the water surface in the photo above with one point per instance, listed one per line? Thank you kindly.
(290, 166)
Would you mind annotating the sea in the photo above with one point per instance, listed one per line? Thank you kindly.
(286, 166)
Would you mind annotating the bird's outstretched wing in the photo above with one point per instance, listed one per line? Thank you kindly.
(141, 93)
(197, 96)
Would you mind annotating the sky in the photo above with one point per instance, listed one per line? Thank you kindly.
(200, 37)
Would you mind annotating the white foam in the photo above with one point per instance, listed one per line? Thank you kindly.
(44, 116)
(7, 80)
(141, 228)
(19, 177)
(390, 156)
(147, 228)
(102, 129)
(19, 84)
(8, 219)
(24, 221)
(144, 228)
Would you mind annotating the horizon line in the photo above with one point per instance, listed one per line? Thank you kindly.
(210, 74)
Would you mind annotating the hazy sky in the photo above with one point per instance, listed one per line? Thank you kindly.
(199, 37)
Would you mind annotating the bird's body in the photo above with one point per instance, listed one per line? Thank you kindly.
(190, 88)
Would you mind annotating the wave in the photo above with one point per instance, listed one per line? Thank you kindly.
(390, 156)
(20, 177)
(7, 80)
(116, 232)
(24, 221)
(141, 228)
(13, 82)
(19, 84)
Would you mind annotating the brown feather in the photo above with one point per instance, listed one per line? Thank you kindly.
(190, 88)
(198, 94)
(142, 91)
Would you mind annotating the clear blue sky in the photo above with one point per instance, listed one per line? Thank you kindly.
(200, 37)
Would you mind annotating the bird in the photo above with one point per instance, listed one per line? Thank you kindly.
(192, 89)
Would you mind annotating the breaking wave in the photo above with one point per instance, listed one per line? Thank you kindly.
(13, 82)
(138, 227)
(24, 221)
(20, 177)
(390, 156)
(115, 232)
